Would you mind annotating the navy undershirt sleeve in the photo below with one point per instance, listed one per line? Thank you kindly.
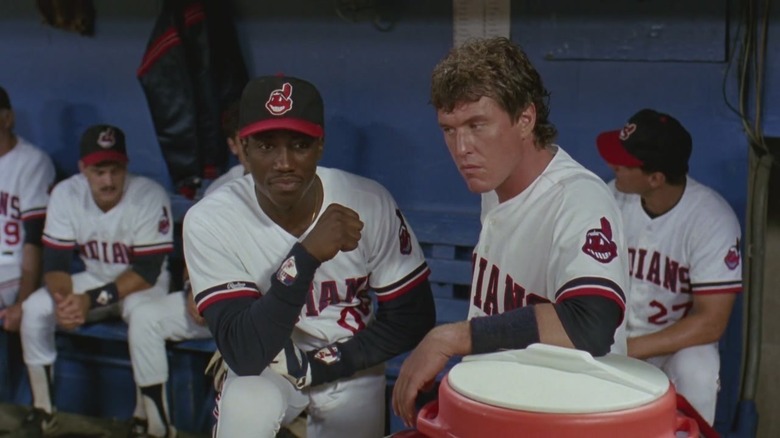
(57, 259)
(250, 332)
(33, 230)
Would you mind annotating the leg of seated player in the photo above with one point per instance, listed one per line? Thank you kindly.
(257, 406)
(150, 325)
(695, 373)
(38, 348)
(353, 407)
(132, 306)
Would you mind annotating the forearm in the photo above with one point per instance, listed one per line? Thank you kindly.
(686, 332)
(31, 271)
(400, 325)
(129, 282)
(453, 339)
(250, 332)
(58, 282)
(551, 329)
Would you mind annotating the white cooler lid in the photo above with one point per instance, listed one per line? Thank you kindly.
(545, 378)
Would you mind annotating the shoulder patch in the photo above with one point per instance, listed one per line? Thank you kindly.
(404, 238)
(599, 244)
(732, 257)
(165, 222)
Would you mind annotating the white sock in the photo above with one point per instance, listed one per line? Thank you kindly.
(40, 385)
(139, 412)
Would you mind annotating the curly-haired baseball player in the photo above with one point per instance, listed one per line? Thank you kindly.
(684, 249)
(550, 265)
(282, 262)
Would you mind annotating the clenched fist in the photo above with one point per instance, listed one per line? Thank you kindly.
(338, 229)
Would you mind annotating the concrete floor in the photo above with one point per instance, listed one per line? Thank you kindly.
(72, 425)
(79, 426)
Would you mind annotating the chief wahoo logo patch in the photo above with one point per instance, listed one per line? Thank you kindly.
(599, 244)
(280, 101)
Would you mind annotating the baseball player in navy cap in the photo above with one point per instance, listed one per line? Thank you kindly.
(684, 247)
(282, 262)
(550, 265)
(26, 175)
(121, 225)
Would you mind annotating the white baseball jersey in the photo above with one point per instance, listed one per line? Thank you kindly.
(562, 237)
(232, 248)
(140, 224)
(26, 175)
(236, 171)
(691, 249)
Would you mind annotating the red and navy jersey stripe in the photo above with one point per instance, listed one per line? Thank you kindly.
(226, 291)
(598, 286)
(404, 285)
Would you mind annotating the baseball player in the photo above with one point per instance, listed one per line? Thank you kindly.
(26, 175)
(550, 264)
(684, 251)
(121, 225)
(173, 317)
(282, 262)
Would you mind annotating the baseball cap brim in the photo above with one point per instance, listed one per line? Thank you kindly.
(104, 156)
(290, 124)
(612, 151)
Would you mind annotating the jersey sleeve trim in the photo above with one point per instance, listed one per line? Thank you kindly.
(157, 248)
(55, 243)
(721, 287)
(225, 291)
(592, 286)
(34, 213)
(403, 286)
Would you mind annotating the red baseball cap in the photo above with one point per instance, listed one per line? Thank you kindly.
(281, 102)
(102, 143)
(651, 140)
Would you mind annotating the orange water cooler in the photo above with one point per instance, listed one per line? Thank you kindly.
(546, 391)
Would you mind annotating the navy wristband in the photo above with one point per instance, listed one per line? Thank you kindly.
(103, 295)
(508, 331)
(329, 364)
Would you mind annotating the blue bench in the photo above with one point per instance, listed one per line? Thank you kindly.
(93, 375)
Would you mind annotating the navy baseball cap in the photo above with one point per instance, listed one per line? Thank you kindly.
(650, 139)
(101, 143)
(5, 102)
(281, 102)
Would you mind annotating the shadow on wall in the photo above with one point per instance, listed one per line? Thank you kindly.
(66, 124)
(342, 148)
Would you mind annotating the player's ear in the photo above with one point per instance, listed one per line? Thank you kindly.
(7, 118)
(657, 179)
(81, 166)
(526, 120)
(320, 144)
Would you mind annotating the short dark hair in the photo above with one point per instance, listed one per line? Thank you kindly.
(5, 101)
(495, 68)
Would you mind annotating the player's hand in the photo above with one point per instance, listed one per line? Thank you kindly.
(192, 308)
(419, 370)
(338, 229)
(12, 317)
(292, 364)
(71, 310)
